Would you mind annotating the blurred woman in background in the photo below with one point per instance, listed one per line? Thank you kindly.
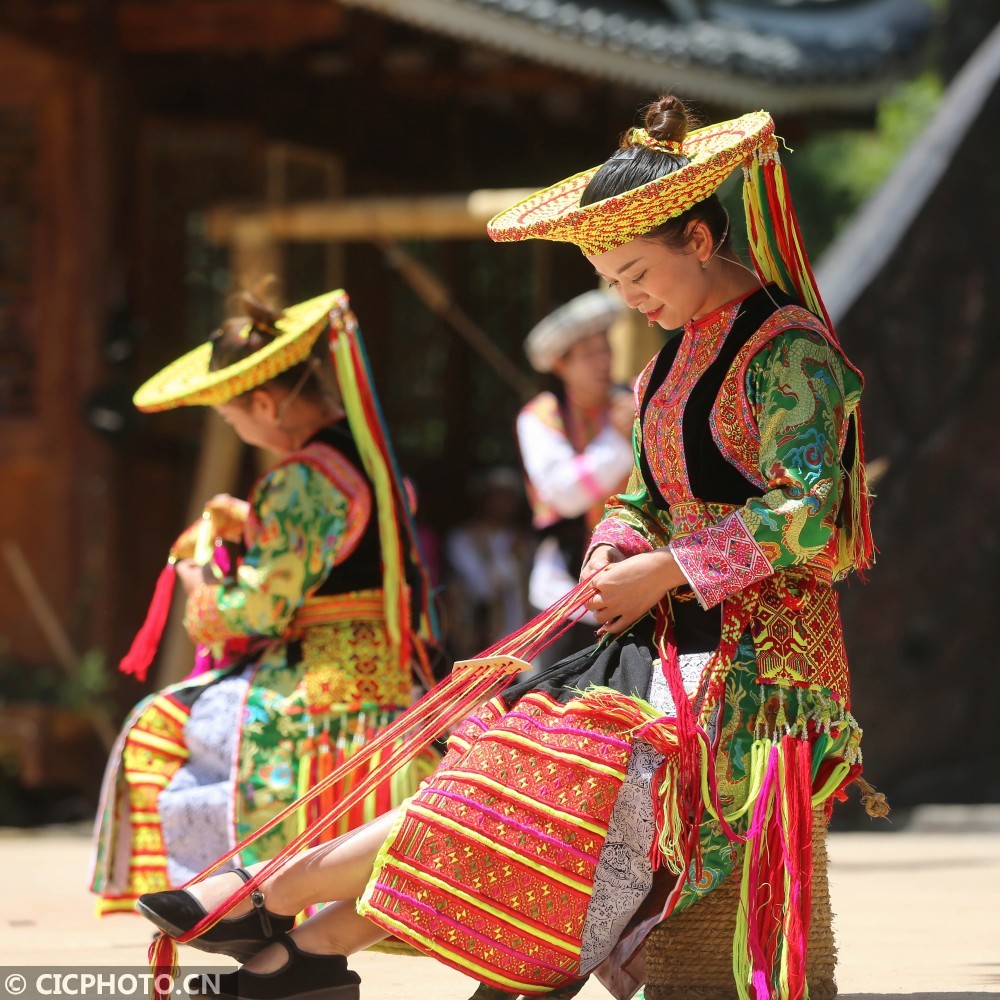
(575, 440)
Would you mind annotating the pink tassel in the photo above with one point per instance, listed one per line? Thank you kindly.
(147, 640)
(761, 880)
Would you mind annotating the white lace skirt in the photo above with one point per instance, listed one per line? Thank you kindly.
(624, 874)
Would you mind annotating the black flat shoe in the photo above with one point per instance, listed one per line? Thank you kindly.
(485, 992)
(176, 911)
(304, 976)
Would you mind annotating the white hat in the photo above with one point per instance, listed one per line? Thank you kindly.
(592, 312)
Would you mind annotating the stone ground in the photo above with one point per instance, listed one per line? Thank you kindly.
(917, 913)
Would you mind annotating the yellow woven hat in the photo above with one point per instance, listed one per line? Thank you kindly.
(555, 213)
(188, 381)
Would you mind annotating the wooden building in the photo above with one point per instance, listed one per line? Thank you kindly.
(130, 131)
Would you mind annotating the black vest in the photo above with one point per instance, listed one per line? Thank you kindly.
(362, 569)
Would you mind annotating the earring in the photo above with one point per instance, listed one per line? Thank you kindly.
(704, 265)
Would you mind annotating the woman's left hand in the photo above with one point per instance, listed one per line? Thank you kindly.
(626, 590)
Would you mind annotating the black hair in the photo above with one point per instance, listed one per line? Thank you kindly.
(634, 164)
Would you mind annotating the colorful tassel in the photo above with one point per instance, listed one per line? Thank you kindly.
(305, 777)
(770, 946)
(397, 534)
(163, 967)
(779, 255)
(796, 839)
(325, 768)
(752, 943)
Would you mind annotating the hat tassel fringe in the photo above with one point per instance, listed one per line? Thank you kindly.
(779, 255)
(394, 520)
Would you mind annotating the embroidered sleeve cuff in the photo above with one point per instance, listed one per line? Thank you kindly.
(720, 560)
(626, 539)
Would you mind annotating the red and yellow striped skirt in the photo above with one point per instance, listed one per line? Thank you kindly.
(490, 867)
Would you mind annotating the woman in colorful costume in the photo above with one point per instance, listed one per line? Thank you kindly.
(305, 644)
(575, 444)
(621, 785)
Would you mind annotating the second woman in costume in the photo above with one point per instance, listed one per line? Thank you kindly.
(306, 641)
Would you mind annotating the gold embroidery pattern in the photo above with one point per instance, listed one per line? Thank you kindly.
(350, 664)
(797, 633)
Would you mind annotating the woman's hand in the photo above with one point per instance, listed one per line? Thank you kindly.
(627, 589)
(190, 574)
(600, 556)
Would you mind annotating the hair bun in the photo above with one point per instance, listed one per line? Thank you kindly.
(666, 120)
(255, 306)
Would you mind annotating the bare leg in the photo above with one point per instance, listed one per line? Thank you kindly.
(337, 871)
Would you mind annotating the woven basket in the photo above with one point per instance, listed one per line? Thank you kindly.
(690, 955)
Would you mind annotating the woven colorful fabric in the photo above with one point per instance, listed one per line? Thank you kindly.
(491, 865)
(151, 748)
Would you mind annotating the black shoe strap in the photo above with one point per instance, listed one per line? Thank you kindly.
(257, 898)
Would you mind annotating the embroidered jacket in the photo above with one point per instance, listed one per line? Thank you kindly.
(309, 533)
(740, 463)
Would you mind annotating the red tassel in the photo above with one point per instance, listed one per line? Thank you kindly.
(689, 798)
(867, 546)
(147, 640)
(797, 832)
(340, 788)
(324, 768)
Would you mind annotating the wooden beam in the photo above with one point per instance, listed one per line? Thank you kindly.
(221, 25)
(432, 217)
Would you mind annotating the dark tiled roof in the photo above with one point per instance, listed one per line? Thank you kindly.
(777, 53)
